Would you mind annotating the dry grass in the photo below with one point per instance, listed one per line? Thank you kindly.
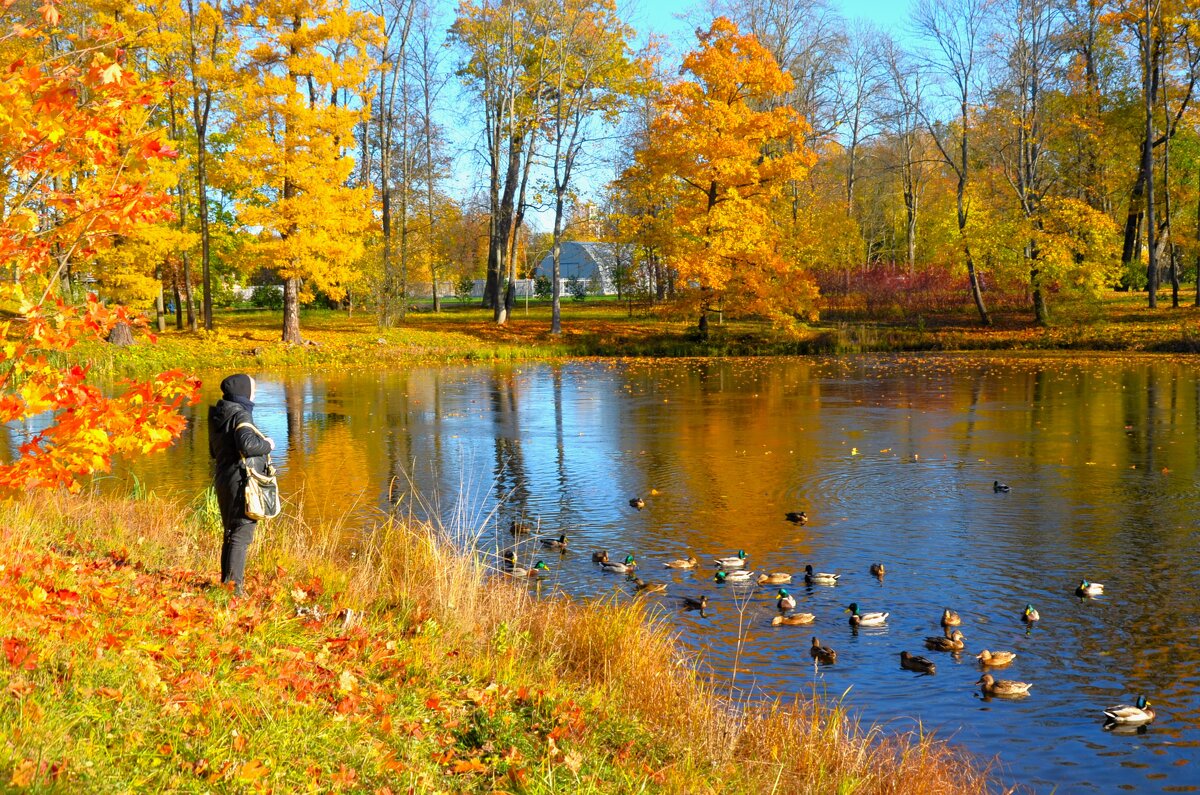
(626, 661)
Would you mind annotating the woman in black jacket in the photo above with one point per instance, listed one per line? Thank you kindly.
(234, 442)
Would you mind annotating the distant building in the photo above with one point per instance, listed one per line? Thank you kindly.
(591, 263)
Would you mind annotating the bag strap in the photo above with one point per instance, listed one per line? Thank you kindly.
(261, 435)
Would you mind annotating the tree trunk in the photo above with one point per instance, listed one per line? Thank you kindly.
(1041, 313)
(187, 292)
(202, 189)
(121, 335)
(291, 310)
(1148, 86)
(501, 242)
(1197, 303)
(556, 260)
(976, 292)
(160, 314)
(178, 302)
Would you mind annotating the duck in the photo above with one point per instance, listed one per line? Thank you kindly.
(785, 601)
(559, 543)
(682, 563)
(1089, 588)
(537, 570)
(623, 567)
(819, 577)
(600, 556)
(637, 502)
(1003, 687)
(793, 619)
(995, 658)
(1000, 488)
(732, 562)
(950, 618)
(796, 517)
(510, 558)
(737, 575)
(642, 586)
(775, 578)
(519, 528)
(915, 662)
(956, 642)
(695, 602)
(1137, 714)
(858, 619)
(1029, 615)
(822, 653)
(877, 570)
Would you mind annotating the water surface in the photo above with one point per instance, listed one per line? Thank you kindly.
(892, 458)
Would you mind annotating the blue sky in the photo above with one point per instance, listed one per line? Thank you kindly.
(665, 16)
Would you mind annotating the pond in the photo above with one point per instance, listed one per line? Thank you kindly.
(892, 458)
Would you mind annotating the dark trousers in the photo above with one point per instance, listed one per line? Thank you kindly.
(233, 551)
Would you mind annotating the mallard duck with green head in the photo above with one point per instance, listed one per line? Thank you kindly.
(682, 563)
(538, 569)
(1003, 687)
(732, 562)
(858, 619)
(915, 662)
(558, 544)
(956, 642)
(995, 659)
(785, 601)
(1029, 615)
(822, 653)
(622, 567)
(950, 618)
(819, 577)
(734, 575)
(775, 578)
(1138, 714)
(1088, 589)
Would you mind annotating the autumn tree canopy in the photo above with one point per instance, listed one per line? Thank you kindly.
(78, 153)
(725, 149)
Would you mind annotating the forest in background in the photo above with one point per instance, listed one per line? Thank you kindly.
(996, 156)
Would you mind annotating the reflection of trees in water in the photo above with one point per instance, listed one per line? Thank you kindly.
(566, 491)
(509, 473)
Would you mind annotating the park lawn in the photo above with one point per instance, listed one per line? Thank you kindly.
(250, 340)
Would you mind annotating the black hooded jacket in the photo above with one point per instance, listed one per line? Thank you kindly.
(228, 443)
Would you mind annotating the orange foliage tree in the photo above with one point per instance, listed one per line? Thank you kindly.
(76, 156)
(724, 146)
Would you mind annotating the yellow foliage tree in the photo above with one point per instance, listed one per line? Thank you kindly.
(726, 147)
(296, 104)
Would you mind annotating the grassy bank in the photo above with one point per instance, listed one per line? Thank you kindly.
(463, 333)
(408, 667)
